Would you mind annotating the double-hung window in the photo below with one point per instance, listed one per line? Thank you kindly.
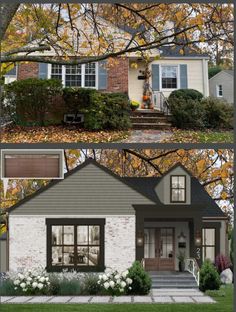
(208, 244)
(82, 75)
(178, 189)
(169, 77)
(219, 91)
(76, 244)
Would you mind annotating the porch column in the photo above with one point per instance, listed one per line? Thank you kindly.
(195, 230)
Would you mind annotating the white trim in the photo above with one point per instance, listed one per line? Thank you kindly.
(178, 77)
(218, 89)
(82, 75)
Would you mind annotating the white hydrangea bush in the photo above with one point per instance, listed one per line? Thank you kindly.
(31, 281)
(115, 283)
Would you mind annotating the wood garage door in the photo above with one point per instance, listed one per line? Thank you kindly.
(31, 166)
(159, 249)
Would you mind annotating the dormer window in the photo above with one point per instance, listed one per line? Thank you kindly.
(178, 189)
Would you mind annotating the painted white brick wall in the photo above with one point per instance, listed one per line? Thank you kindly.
(27, 241)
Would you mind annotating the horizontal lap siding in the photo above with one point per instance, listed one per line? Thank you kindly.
(89, 191)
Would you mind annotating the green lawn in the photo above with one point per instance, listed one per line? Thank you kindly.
(210, 136)
(225, 304)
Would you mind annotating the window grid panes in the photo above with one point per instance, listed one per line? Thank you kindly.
(166, 243)
(84, 75)
(220, 90)
(178, 188)
(56, 71)
(73, 76)
(169, 77)
(90, 75)
(75, 245)
(208, 244)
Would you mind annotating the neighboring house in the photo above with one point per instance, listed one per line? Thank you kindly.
(71, 224)
(173, 70)
(221, 86)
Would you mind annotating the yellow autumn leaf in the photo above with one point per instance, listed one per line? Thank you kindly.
(224, 195)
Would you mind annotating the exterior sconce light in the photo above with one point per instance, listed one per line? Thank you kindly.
(181, 237)
(198, 239)
(139, 240)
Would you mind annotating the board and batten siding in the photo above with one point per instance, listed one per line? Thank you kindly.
(163, 187)
(197, 76)
(89, 190)
(30, 251)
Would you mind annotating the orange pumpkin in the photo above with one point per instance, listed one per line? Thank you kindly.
(145, 97)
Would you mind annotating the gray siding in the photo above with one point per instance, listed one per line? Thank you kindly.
(227, 81)
(3, 255)
(89, 190)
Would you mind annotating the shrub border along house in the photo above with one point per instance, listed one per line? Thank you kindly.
(40, 102)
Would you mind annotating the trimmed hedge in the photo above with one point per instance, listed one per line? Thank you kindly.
(187, 94)
(27, 101)
(101, 110)
(141, 280)
(209, 113)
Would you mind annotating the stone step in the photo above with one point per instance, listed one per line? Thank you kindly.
(145, 119)
(156, 286)
(147, 113)
(149, 126)
(175, 280)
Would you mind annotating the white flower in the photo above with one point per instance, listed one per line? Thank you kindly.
(15, 288)
(29, 279)
(21, 276)
(47, 279)
(27, 283)
(35, 284)
(105, 278)
(40, 286)
(100, 276)
(42, 279)
(22, 285)
(123, 284)
(112, 284)
(130, 287)
(118, 281)
(125, 273)
(129, 281)
(25, 289)
(106, 285)
(117, 276)
(16, 282)
(121, 289)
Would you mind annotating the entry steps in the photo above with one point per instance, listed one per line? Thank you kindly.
(169, 279)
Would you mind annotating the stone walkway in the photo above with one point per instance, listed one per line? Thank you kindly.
(156, 296)
(147, 136)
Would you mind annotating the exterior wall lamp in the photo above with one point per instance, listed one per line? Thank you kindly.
(139, 239)
(198, 239)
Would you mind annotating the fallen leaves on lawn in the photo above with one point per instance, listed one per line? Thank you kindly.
(55, 134)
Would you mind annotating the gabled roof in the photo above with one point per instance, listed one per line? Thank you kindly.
(227, 71)
(145, 186)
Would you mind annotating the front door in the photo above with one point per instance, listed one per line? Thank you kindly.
(159, 249)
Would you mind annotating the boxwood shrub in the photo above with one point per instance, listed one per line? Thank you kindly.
(101, 110)
(141, 280)
(28, 101)
(209, 277)
(187, 94)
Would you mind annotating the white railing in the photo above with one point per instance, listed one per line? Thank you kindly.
(160, 102)
(192, 267)
(143, 263)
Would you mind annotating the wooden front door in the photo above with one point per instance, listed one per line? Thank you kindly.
(159, 249)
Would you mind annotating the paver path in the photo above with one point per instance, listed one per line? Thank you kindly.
(147, 136)
(155, 296)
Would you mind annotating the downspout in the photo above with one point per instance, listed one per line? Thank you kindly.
(205, 77)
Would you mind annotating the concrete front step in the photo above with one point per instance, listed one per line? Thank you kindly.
(173, 285)
(175, 280)
(149, 126)
(147, 113)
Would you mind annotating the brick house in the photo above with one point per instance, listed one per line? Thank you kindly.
(71, 224)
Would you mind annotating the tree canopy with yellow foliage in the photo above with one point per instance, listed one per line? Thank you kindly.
(27, 29)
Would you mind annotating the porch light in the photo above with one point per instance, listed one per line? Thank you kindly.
(182, 237)
(198, 239)
(140, 239)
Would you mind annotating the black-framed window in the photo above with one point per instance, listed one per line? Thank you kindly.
(169, 77)
(75, 244)
(178, 188)
(208, 244)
